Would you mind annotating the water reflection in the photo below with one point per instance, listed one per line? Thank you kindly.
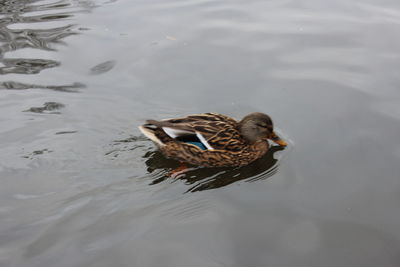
(11, 39)
(201, 179)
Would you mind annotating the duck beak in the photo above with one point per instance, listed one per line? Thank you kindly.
(277, 140)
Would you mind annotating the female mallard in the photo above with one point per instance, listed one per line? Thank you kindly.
(213, 140)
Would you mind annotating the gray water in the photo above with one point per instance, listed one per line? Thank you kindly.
(80, 186)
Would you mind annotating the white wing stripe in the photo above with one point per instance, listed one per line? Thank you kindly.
(204, 141)
(174, 133)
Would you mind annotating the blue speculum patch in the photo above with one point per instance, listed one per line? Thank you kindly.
(192, 139)
(199, 144)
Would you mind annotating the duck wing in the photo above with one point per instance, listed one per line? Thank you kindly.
(213, 130)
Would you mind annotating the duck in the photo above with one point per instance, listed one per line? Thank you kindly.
(213, 139)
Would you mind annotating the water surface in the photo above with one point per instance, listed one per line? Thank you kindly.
(80, 186)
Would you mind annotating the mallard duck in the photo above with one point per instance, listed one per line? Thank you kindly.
(212, 139)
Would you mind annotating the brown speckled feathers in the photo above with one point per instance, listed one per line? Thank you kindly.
(219, 130)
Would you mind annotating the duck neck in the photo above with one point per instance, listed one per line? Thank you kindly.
(260, 147)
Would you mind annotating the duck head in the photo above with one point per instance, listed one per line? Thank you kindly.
(258, 126)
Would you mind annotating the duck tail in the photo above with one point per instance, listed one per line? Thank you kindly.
(149, 132)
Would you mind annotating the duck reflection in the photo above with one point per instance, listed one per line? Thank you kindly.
(201, 179)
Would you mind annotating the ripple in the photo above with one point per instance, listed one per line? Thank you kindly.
(27, 66)
(11, 85)
(103, 67)
(17, 32)
(65, 132)
(186, 210)
(31, 196)
(37, 152)
(15, 39)
(48, 106)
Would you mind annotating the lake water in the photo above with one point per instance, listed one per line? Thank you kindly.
(80, 186)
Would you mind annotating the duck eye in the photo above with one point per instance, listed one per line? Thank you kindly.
(261, 125)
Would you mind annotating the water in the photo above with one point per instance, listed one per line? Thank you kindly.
(81, 187)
